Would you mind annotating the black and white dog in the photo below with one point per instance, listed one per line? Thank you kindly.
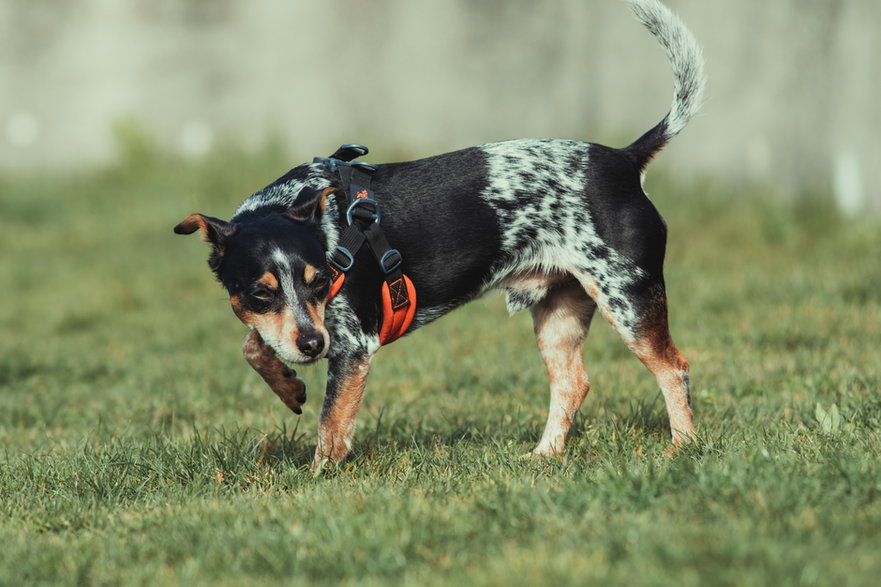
(563, 226)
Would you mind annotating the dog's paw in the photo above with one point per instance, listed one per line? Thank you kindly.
(280, 378)
(290, 389)
(540, 454)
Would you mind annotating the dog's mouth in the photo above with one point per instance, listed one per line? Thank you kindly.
(305, 350)
(300, 359)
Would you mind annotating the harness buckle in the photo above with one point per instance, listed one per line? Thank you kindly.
(328, 162)
(371, 206)
(349, 259)
(364, 166)
(391, 261)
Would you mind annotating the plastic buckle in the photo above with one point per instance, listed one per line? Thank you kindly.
(328, 162)
(396, 259)
(345, 253)
(364, 203)
(368, 167)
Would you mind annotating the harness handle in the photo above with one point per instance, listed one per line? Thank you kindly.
(349, 152)
(363, 219)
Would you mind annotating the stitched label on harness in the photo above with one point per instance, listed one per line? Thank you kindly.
(399, 295)
(398, 309)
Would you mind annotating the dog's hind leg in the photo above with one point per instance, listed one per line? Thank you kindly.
(655, 348)
(639, 313)
(561, 321)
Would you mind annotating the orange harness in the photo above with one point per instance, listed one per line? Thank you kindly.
(398, 294)
(398, 305)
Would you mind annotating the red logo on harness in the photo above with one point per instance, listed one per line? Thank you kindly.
(361, 194)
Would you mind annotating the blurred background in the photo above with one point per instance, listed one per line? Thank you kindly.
(137, 447)
(790, 101)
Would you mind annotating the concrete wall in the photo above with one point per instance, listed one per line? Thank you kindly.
(791, 97)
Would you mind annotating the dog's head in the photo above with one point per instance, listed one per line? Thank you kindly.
(273, 265)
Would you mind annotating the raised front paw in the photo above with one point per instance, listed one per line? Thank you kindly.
(280, 378)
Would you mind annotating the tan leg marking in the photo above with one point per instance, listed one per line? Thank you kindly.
(280, 378)
(337, 425)
(561, 323)
(656, 350)
(650, 341)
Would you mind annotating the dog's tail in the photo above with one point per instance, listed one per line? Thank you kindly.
(688, 77)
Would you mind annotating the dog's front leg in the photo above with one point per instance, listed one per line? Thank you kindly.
(346, 378)
(279, 377)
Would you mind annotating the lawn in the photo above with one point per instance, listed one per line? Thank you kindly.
(136, 446)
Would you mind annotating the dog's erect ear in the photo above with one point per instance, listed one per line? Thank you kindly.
(214, 230)
(309, 205)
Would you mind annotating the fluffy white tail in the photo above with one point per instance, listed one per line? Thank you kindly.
(687, 62)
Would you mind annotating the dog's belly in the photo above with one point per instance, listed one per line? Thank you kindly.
(524, 290)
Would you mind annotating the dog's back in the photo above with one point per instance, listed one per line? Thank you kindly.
(563, 226)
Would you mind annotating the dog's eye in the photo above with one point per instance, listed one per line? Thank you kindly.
(320, 282)
(262, 294)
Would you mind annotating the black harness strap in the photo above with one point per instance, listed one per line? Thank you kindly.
(363, 217)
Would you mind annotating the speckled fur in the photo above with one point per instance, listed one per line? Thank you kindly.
(537, 188)
(562, 226)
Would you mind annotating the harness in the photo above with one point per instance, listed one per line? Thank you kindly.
(363, 216)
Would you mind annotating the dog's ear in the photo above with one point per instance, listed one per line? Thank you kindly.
(214, 230)
(309, 205)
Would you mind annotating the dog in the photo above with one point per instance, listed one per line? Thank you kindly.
(564, 227)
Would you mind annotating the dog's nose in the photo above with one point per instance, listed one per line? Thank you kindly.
(310, 344)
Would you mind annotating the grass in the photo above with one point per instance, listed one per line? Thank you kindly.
(137, 446)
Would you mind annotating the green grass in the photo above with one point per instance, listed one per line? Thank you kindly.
(138, 447)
